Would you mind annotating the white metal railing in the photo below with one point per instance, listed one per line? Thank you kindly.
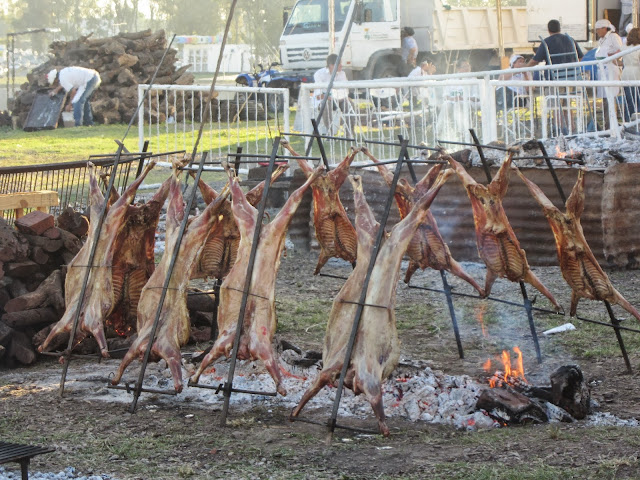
(247, 117)
(562, 100)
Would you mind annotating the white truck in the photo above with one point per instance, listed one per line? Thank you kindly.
(443, 32)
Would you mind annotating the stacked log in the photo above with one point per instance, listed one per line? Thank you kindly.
(33, 256)
(33, 259)
(123, 61)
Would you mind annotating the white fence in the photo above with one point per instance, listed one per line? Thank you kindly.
(543, 102)
(540, 102)
(171, 115)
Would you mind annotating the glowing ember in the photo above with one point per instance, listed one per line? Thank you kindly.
(511, 374)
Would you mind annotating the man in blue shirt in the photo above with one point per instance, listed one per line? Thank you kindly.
(557, 44)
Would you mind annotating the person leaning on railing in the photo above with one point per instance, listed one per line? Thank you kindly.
(631, 71)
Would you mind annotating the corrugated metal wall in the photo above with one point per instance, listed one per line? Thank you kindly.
(618, 214)
(621, 215)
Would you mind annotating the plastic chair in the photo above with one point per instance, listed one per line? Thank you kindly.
(559, 102)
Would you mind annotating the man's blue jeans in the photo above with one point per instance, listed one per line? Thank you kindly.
(82, 113)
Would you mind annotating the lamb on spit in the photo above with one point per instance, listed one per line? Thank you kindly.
(174, 325)
(497, 243)
(578, 265)
(427, 248)
(376, 350)
(335, 234)
(221, 247)
(101, 294)
(260, 314)
(135, 262)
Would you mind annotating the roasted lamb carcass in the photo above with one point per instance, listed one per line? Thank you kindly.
(135, 261)
(578, 265)
(376, 349)
(427, 248)
(100, 294)
(260, 316)
(221, 247)
(173, 327)
(497, 244)
(335, 234)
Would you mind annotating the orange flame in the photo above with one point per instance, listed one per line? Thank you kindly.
(510, 374)
(561, 154)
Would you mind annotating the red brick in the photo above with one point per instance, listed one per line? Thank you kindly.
(35, 223)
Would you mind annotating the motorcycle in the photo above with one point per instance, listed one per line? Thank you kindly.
(272, 78)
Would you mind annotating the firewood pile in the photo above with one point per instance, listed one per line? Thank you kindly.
(32, 259)
(123, 61)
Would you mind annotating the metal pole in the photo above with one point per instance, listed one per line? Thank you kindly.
(532, 326)
(445, 284)
(323, 153)
(452, 312)
(89, 266)
(323, 103)
(553, 172)
(163, 294)
(363, 295)
(500, 35)
(485, 165)
(616, 322)
(247, 282)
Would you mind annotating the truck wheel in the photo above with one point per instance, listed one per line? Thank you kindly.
(386, 69)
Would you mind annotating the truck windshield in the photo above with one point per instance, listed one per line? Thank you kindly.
(312, 16)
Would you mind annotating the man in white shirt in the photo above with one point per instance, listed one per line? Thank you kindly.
(338, 98)
(82, 82)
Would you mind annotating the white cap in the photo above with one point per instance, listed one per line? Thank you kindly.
(514, 58)
(628, 27)
(605, 24)
(51, 76)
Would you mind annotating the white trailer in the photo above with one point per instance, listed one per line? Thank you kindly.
(443, 32)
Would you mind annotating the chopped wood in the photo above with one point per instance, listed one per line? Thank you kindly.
(73, 222)
(53, 233)
(201, 302)
(39, 256)
(70, 241)
(49, 293)
(570, 391)
(17, 288)
(21, 349)
(35, 222)
(13, 245)
(123, 61)
(21, 269)
(4, 296)
(510, 407)
(30, 318)
(47, 244)
(5, 333)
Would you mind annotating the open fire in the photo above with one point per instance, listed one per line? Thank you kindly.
(511, 374)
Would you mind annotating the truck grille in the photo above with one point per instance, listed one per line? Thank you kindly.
(298, 54)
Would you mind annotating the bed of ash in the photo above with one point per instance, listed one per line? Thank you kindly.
(415, 391)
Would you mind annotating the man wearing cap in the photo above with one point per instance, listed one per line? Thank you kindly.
(520, 92)
(82, 81)
(409, 50)
(557, 43)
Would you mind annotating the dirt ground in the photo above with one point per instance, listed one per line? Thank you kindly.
(186, 440)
